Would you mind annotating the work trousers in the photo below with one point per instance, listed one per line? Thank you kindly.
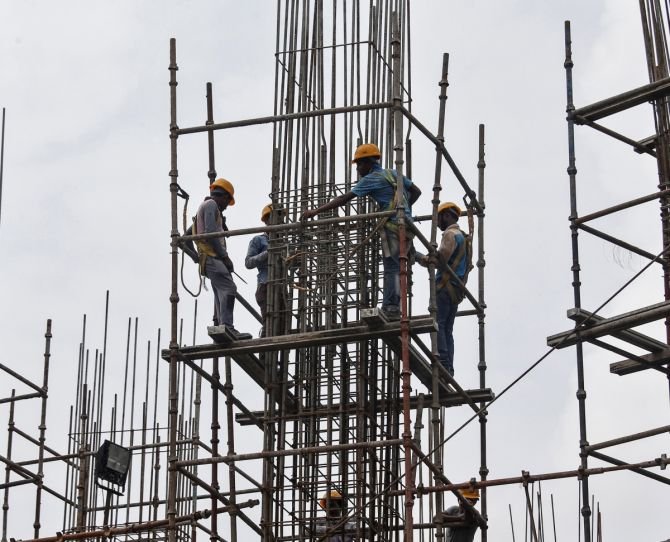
(391, 260)
(446, 315)
(262, 300)
(224, 291)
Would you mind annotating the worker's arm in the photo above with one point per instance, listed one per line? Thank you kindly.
(188, 247)
(332, 204)
(414, 193)
(424, 260)
(255, 256)
(454, 516)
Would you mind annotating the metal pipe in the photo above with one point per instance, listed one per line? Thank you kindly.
(622, 206)
(171, 511)
(142, 527)
(576, 282)
(5, 501)
(403, 248)
(279, 118)
(628, 438)
(42, 431)
(481, 339)
(2, 156)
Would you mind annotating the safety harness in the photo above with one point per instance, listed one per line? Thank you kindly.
(389, 177)
(455, 290)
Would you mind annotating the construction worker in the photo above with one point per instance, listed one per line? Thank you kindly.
(452, 252)
(338, 531)
(380, 184)
(213, 257)
(460, 522)
(257, 256)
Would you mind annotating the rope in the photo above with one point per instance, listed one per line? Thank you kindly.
(200, 279)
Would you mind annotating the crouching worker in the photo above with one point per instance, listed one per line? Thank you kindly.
(333, 525)
(212, 256)
(460, 522)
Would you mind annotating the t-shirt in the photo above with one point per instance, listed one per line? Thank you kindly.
(379, 185)
(465, 533)
(257, 256)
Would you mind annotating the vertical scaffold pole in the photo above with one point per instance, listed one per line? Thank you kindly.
(216, 374)
(481, 262)
(576, 284)
(432, 306)
(10, 438)
(42, 428)
(402, 238)
(174, 303)
(2, 156)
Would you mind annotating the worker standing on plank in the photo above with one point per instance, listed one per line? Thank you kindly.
(257, 256)
(454, 252)
(381, 185)
(213, 257)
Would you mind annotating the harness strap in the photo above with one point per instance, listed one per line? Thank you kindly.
(445, 280)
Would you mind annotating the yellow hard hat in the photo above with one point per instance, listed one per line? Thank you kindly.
(332, 494)
(366, 150)
(448, 205)
(266, 211)
(225, 185)
(470, 493)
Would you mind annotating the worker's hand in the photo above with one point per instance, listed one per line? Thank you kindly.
(229, 265)
(309, 213)
(426, 259)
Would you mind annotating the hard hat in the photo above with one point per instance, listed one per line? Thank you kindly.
(470, 493)
(225, 185)
(448, 205)
(332, 495)
(266, 211)
(366, 150)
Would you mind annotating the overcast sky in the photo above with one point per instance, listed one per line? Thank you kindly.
(85, 206)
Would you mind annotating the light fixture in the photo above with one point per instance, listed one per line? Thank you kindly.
(112, 463)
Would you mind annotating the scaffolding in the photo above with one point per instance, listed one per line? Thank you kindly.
(352, 401)
(590, 326)
(337, 375)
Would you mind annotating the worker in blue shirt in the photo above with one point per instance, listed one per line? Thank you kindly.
(380, 184)
(257, 256)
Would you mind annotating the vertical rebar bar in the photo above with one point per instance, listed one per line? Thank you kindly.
(402, 235)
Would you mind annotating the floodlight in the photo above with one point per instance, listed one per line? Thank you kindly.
(112, 463)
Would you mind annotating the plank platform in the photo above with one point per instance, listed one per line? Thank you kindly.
(357, 331)
(630, 366)
(616, 326)
(621, 102)
(419, 366)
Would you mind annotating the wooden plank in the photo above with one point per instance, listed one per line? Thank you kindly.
(627, 335)
(621, 102)
(355, 332)
(629, 366)
(610, 326)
